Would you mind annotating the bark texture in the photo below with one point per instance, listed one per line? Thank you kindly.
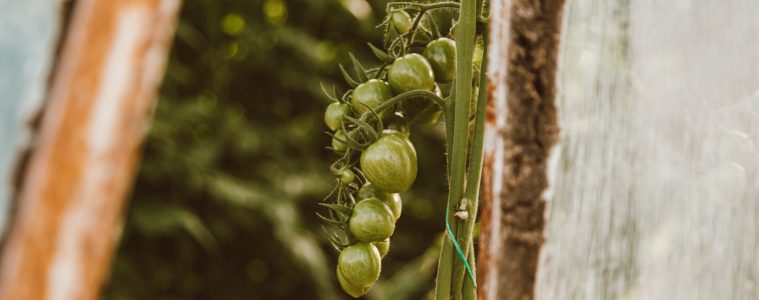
(69, 207)
(522, 127)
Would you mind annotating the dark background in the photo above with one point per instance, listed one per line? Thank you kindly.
(235, 164)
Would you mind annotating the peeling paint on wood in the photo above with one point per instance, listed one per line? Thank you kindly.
(61, 242)
(520, 130)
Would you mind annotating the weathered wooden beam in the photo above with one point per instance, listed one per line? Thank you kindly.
(521, 127)
(65, 229)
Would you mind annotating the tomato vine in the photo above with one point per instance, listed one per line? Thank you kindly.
(421, 75)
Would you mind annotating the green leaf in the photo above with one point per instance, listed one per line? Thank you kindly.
(348, 77)
(381, 55)
(338, 208)
(360, 70)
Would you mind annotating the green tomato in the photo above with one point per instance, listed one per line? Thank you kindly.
(411, 72)
(383, 247)
(395, 204)
(337, 144)
(334, 113)
(350, 289)
(371, 94)
(371, 221)
(400, 20)
(347, 176)
(390, 163)
(359, 264)
(422, 110)
(441, 54)
(393, 201)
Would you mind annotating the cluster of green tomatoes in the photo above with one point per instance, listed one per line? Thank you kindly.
(370, 131)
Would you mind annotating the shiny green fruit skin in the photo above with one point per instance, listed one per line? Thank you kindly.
(383, 247)
(371, 93)
(441, 54)
(347, 176)
(359, 264)
(390, 163)
(350, 289)
(411, 72)
(337, 144)
(393, 201)
(334, 113)
(401, 21)
(371, 221)
(422, 110)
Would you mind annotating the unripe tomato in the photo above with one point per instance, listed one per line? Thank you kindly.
(411, 72)
(371, 221)
(421, 110)
(337, 144)
(383, 247)
(393, 201)
(441, 54)
(400, 20)
(390, 163)
(393, 131)
(371, 93)
(334, 113)
(350, 289)
(359, 264)
(347, 176)
(395, 204)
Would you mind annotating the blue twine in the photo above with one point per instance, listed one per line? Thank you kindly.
(462, 257)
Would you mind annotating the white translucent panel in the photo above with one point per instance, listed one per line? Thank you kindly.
(656, 186)
(28, 35)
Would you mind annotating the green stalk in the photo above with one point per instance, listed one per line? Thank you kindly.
(465, 39)
(474, 175)
(470, 291)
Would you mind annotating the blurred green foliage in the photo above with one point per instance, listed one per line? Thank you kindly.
(235, 163)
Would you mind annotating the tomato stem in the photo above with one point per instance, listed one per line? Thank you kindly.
(465, 40)
(474, 175)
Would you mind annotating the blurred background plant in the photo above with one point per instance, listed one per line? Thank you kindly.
(235, 162)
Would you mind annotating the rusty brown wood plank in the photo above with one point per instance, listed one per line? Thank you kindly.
(521, 128)
(65, 229)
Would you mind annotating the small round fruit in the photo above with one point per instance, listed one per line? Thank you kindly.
(334, 113)
(393, 201)
(400, 20)
(337, 144)
(411, 72)
(359, 264)
(441, 54)
(383, 247)
(350, 289)
(371, 94)
(395, 204)
(347, 176)
(371, 221)
(390, 163)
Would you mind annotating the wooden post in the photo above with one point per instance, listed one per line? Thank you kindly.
(521, 127)
(66, 226)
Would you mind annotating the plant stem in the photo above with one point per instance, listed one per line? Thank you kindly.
(470, 291)
(430, 6)
(474, 175)
(465, 39)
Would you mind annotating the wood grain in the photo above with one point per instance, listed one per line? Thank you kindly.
(62, 237)
(521, 129)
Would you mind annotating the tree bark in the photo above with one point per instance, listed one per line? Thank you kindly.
(69, 207)
(521, 129)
